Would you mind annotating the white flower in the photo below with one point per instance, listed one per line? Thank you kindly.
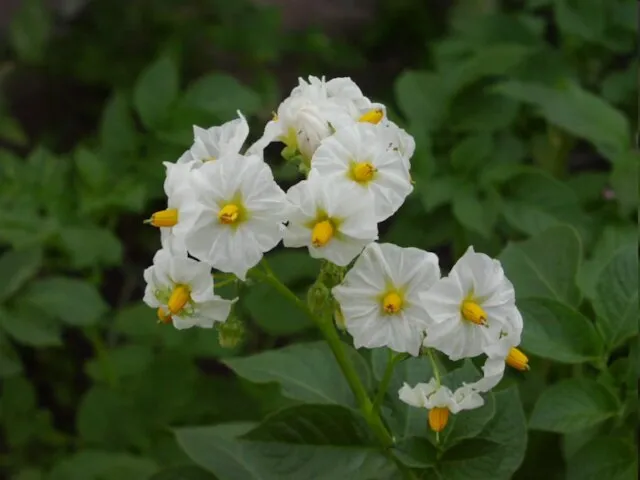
(356, 155)
(182, 291)
(397, 139)
(470, 307)
(334, 223)
(241, 213)
(440, 401)
(380, 297)
(179, 198)
(347, 94)
(215, 142)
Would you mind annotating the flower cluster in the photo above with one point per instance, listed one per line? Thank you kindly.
(225, 210)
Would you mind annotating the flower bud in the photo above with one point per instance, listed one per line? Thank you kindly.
(231, 332)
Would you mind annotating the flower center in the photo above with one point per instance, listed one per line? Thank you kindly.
(322, 233)
(163, 315)
(165, 218)
(473, 312)
(363, 172)
(392, 303)
(438, 418)
(517, 360)
(372, 116)
(178, 299)
(229, 214)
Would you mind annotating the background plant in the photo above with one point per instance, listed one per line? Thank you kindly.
(521, 112)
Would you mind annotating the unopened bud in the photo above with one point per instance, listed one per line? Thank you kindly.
(318, 297)
(231, 332)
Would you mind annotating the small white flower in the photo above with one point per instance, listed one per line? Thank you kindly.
(344, 92)
(334, 223)
(215, 142)
(380, 297)
(470, 307)
(440, 401)
(356, 155)
(241, 213)
(397, 139)
(182, 291)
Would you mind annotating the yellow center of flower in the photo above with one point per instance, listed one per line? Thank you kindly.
(229, 214)
(372, 116)
(178, 299)
(322, 233)
(473, 312)
(165, 218)
(517, 360)
(363, 172)
(438, 418)
(163, 315)
(392, 303)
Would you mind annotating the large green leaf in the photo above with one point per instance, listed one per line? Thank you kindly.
(545, 265)
(221, 95)
(17, 267)
(556, 331)
(624, 180)
(497, 451)
(30, 30)
(30, 327)
(155, 91)
(102, 465)
(75, 302)
(117, 128)
(305, 371)
(610, 458)
(573, 405)
(423, 98)
(89, 246)
(576, 110)
(9, 361)
(473, 213)
(186, 472)
(616, 300)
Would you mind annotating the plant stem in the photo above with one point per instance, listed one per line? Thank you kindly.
(434, 364)
(392, 361)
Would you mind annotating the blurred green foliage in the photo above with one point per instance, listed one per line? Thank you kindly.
(521, 111)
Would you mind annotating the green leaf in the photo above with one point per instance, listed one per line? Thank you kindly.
(91, 246)
(73, 301)
(478, 111)
(422, 97)
(92, 170)
(584, 19)
(500, 446)
(472, 152)
(30, 30)
(155, 91)
(556, 331)
(305, 371)
(28, 326)
(610, 458)
(102, 465)
(117, 127)
(273, 313)
(624, 180)
(416, 452)
(124, 361)
(576, 110)
(222, 95)
(473, 213)
(573, 405)
(186, 472)
(10, 364)
(437, 191)
(17, 267)
(616, 300)
(545, 265)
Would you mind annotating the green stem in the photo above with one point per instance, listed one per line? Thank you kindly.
(392, 361)
(330, 334)
(102, 354)
(224, 282)
(434, 364)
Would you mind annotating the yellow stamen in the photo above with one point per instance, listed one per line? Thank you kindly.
(391, 303)
(274, 117)
(321, 234)
(165, 218)
(363, 172)
(517, 360)
(372, 116)
(473, 312)
(209, 159)
(178, 299)
(163, 316)
(229, 214)
(438, 418)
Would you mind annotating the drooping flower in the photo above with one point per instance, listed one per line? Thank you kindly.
(171, 221)
(334, 223)
(380, 297)
(215, 142)
(241, 213)
(470, 307)
(357, 155)
(440, 401)
(181, 289)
